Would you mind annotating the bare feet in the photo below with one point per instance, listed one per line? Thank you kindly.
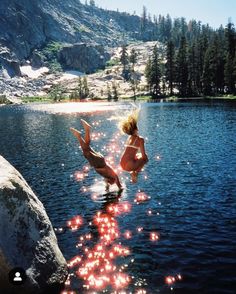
(134, 176)
(75, 132)
(85, 124)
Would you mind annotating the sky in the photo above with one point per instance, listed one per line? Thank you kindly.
(213, 12)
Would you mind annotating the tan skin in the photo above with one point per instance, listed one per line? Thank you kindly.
(129, 160)
(107, 172)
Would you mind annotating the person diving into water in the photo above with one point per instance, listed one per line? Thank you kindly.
(132, 160)
(96, 159)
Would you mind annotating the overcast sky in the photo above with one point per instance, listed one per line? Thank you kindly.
(214, 12)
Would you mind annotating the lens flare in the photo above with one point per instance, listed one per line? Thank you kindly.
(141, 197)
(154, 236)
(75, 223)
(172, 279)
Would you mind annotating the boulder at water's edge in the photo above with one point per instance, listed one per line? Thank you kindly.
(27, 239)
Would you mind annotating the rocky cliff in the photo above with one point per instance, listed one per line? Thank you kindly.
(30, 24)
(27, 238)
(84, 57)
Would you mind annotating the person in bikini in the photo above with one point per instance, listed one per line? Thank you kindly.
(134, 156)
(96, 159)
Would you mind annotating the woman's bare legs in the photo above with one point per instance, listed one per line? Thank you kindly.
(94, 158)
(82, 142)
(87, 128)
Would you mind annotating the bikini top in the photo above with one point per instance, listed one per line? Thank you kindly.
(132, 145)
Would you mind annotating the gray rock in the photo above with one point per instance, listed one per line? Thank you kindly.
(9, 62)
(36, 59)
(4, 74)
(27, 238)
(83, 57)
(27, 25)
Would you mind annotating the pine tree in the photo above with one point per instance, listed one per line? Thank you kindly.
(80, 88)
(149, 17)
(182, 68)
(153, 74)
(109, 96)
(143, 23)
(213, 74)
(192, 70)
(57, 91)
(201, 44)
(124, 59)
(230, 54)
(162, 28)
(155, 29)
(208, 72)
(184, 27)
(134, 81)
(168, 27)
(234, 71)
(170, 66)
(228, 72)
(147, 73)
(115, 91)
(85, 88)
(218, 78)
(176, 32)
(133, 58)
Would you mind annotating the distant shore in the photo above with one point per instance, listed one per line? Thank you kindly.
(26, 100)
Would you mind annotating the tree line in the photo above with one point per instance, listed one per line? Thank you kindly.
(199, 60)
(204, 64)
(59, 92)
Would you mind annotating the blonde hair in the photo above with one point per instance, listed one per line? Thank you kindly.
(130, 123)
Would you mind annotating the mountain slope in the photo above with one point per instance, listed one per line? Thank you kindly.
(29, 24)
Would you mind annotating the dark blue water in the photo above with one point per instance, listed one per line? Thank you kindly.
(192, 187)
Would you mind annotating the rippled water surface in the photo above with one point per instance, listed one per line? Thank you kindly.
(190, 179)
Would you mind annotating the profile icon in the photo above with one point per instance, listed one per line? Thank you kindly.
(17, 276)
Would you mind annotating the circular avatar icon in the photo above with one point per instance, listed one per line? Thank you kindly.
(17, 276)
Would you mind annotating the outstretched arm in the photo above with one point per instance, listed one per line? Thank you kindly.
(117, 181)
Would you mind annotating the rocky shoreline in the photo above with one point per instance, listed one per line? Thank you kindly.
(14, 89)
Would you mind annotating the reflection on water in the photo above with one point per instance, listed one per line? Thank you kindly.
(178, 232)
(97, 265)
(73, 108)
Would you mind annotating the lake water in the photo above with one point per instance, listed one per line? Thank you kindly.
(190, 180)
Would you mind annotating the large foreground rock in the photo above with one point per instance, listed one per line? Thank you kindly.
(27, 238)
